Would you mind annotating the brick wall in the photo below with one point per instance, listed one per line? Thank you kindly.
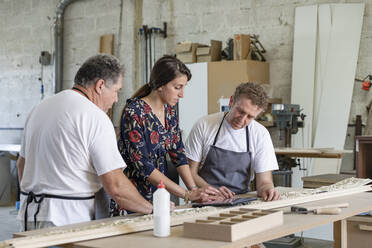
(26, 31)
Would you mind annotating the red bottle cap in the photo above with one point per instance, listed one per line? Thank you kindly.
(161, 185)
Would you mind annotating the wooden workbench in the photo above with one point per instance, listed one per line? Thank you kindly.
(293, 223)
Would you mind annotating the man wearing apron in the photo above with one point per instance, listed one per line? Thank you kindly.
(69, 152)
(226, 150)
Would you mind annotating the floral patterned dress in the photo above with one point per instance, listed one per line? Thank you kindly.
(144, 143)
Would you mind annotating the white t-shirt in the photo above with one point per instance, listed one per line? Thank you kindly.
(68, 142)
(205, 129)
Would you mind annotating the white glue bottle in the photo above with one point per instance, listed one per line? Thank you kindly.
(161, 207)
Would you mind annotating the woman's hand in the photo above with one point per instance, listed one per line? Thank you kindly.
(198, 195)
(218, 194)
(226, 193)
(209, 193)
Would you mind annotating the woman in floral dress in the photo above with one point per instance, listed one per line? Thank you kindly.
(149, 132)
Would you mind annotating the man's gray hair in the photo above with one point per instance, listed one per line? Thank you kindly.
(254, 92)
(101, 66)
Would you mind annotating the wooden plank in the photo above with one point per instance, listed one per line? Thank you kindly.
(303, 73)
(106, 45)
(337, 234)
(310, 152)
(324, 33)
(303, 68)
(365, 227)
(338, 82)
(323, 180)
(98, 229)
(308, 198)
(343, 233)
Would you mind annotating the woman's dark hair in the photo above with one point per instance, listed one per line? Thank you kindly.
(165, 70)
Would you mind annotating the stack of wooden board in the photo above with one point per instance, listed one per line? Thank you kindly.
(233, 225)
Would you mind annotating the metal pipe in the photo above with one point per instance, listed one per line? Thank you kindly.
(58, 44)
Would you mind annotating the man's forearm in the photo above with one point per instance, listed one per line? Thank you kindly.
(264, 182)
(131, 200)
(118, 186)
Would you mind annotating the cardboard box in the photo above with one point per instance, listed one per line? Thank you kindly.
(225, 76)
(204, 58)
(186, 58)
(209, 53)
(242, 46)
(184, 47)
(186, 52)
(200, 51)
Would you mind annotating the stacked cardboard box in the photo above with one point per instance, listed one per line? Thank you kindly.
(242, 46)
(186, 52)
(224, 76)
(209, 53)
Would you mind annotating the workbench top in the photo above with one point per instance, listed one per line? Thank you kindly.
(293, 223)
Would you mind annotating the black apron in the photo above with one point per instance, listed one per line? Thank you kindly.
(227, 168)
(31, 197)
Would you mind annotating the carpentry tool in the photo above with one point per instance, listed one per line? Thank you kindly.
(316, 211)
(328, 209)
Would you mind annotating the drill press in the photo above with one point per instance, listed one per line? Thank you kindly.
(287, 118)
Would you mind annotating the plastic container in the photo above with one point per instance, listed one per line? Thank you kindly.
(161, 207)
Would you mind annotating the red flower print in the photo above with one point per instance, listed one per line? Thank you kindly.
(135, 156)
(137, 119)
(154, 136)
(169, 111)
(146, 108)
(175, 138)
(167, 142)
(134, 136)
(173, 155)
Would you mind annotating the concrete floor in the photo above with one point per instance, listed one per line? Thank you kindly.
(8, 222)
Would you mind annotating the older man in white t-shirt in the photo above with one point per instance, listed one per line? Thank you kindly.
(226, 150)
(69, 151)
